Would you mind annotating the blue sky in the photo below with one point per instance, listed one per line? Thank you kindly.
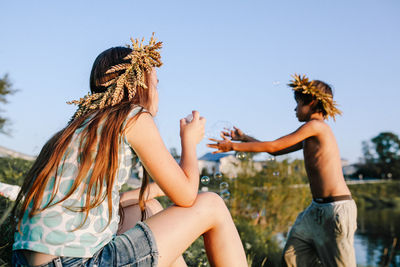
(231, 60)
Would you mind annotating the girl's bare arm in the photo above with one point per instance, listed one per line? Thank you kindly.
(179, 182)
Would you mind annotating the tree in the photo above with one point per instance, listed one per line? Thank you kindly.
(382, 156)
(5, 89)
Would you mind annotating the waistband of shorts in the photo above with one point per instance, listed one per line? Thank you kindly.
(324, 200)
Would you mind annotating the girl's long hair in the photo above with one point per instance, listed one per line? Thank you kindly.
(98, 148)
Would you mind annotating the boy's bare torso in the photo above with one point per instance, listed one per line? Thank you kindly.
(323, 164)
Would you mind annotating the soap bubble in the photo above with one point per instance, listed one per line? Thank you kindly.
(204, 189)
(223, 186)
(216, 129)
(225, 194)
(275, 173)
(217, 176)
(241, 155)
(276, 83)
(205, 180)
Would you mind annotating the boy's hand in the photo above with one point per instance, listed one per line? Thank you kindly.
(236, 134)
(224, 145)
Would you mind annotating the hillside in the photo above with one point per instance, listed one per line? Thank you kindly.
(6, 152)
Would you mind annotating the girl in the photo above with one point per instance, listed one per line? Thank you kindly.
(69, 215)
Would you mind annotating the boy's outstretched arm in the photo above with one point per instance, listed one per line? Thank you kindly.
(285, 144)
(293, 148)
(238, 135)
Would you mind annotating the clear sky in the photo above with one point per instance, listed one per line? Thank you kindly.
(231, 60)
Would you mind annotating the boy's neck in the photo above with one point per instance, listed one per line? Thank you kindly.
(316, 116)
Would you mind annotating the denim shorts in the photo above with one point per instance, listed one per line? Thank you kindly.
(136, 248)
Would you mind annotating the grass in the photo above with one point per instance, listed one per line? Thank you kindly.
(377, 195)
(261, 205)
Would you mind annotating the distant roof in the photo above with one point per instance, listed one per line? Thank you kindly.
(214, 157)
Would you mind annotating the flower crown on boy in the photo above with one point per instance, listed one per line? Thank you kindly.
(142, 59)
(301, 83)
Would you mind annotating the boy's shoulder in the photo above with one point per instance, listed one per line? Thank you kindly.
(316, 124)
(316, 127)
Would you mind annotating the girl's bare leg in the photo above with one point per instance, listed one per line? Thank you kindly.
(132, 216)
(176, 228)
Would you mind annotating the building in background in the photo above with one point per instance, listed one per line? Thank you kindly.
(226, 163)
(9, 153)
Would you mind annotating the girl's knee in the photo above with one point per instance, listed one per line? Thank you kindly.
(211, 202)
(210, 197)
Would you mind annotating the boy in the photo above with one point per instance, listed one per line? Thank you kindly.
(323, 233)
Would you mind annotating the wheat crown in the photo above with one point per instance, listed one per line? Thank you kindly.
(301, 83)
(142, 59)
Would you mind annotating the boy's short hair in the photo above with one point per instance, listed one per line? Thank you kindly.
(307, 98)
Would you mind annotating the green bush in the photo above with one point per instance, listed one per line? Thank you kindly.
(263, 205)
(7, 234)
(376, 195)
(13, 170)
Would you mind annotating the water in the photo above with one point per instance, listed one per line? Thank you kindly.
(269, 213)
(376, 231)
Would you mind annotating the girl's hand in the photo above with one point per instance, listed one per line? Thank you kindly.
(192, 131)
(224, 145)
(236, 134)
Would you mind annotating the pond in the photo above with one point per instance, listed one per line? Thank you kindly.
(377, 230)
(266, 215)
(373, 240)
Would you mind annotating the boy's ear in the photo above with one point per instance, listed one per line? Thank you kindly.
(313, 104)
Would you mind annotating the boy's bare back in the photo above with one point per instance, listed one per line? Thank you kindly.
(323, 163)
(312, 236)
(321, 153)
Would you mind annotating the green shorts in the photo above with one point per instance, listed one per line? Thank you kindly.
(323, 234)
